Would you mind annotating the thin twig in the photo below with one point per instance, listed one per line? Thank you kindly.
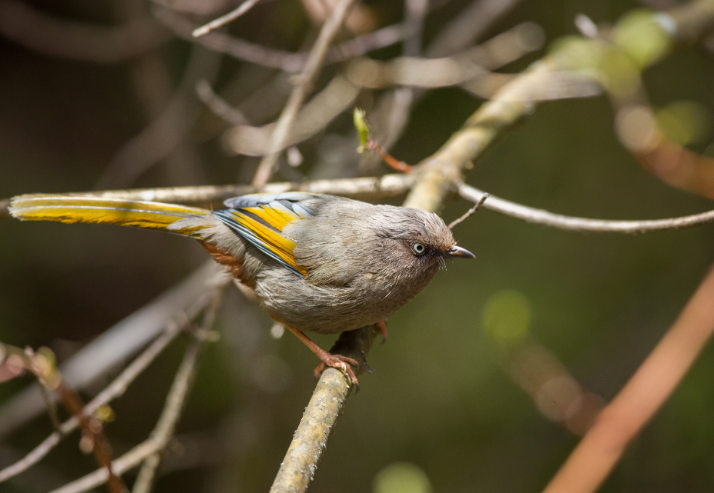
(306, 80)
(466, 214)
(278, 59)
(121, 465)
(223, 20)
(176, 399)
(218, 105)
(175, 402)
(119, 342)
(165, 132)
(643, 395)
(42, 367)
(114, 390)
(545, 218)
(512, 102)
(391, 161)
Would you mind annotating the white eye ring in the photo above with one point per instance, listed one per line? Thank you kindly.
(418, 248)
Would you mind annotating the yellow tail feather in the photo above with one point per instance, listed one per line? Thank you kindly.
(140, 214)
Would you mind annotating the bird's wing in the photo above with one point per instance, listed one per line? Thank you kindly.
(261, 218)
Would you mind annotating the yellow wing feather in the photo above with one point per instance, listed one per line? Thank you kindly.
(280, 245)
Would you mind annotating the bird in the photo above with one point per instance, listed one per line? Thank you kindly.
(317, 263)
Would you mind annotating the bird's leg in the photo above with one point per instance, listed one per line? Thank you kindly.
(382, 326)
(328, 359)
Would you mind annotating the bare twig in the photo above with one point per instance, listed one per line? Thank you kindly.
(117, 343)
(176, 399)
(305, 82)
(225, 19)
(217, 105)
(111, 392)
(513, 102)
(278, 59)
(391, 161)
(643, 395)
(315, 115)
(545, 218)
(175, 402)
(42, 367)
(167, 131)
(466, 214)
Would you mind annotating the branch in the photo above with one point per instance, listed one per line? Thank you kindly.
(325, 407)
(545, 218)
(278, 59)
(225, 19)
(512, 102)
(112, 391)
(304, 86)
(41, 365)
(619, 422)
(439, 175)
(175, 402)
(118, 343)
(166, 132)
(366, 188)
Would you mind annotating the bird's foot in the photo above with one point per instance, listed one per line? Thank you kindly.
(382, 326)
(339, 362)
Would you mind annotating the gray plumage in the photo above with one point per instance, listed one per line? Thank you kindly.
(363, 261)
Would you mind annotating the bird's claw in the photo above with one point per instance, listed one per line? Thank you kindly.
(382, 326)
(339, 362)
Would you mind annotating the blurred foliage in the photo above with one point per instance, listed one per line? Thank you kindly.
(441, 410)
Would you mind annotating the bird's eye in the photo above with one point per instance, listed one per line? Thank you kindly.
(418, 248)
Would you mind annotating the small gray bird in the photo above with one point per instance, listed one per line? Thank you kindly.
(317, 263)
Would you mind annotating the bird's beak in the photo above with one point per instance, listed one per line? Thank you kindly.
(459, 252)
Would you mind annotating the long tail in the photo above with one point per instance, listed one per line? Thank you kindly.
(140, 214)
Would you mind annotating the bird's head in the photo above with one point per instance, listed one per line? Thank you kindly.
(420, 240)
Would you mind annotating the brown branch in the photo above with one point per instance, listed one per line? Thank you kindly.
(305, 82)
(545, 218)
(114, 390)
(643, 395)
(118, 343)
(175, 403)
(469, 212)
(42, 367)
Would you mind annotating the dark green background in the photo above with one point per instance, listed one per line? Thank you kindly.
(440, 398)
